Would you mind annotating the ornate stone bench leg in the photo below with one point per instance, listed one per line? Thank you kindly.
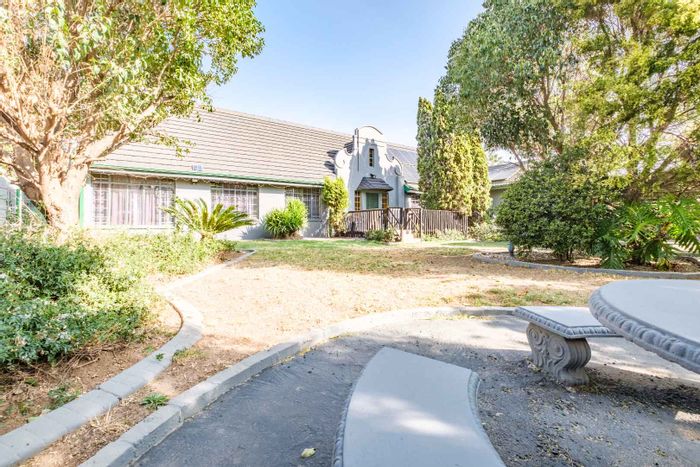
(562, 358)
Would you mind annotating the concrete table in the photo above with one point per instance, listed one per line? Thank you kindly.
(662, 316)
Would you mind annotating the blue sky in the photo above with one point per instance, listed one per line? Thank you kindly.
(342, 64)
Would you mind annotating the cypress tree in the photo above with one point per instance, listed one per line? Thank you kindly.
(451, 163)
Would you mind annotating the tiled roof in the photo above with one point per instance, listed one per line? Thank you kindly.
(500, 174)
(373, 183)
(408, 158)
(237, 144)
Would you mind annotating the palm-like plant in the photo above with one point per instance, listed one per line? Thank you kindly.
(196, 217)
(646, 232)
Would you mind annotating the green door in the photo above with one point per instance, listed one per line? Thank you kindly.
(371, 200)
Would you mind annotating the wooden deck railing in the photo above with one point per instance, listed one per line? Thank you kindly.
(416, 220)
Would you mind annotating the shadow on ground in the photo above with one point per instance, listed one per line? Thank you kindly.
(638, 410)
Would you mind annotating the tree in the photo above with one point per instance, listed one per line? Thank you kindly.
(335, 195)
(615, 81)
(196, 217)
(80, 78)
(638, 109)
(451, 162)
(511, 74)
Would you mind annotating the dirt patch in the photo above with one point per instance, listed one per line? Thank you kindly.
(277, 294)
(680, 264)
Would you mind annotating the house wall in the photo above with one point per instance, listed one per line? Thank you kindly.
(269, 198)
(353, 166)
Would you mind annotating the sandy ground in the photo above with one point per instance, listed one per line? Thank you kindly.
(637, 410)
(264, 301)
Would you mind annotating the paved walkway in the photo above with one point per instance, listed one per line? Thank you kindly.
(638, 410)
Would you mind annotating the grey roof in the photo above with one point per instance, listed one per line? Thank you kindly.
(501, 174)
(408, 158)
(373, 183)
(237, 145)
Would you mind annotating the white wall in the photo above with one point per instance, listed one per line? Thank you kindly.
(269, 198)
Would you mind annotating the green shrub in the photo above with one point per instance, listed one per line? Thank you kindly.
(381, 235)
(196, 217)
(648, 232)
(335, 195)
(445, 235)
(486, 231)
(551, 206)
(287, 222)
(56, 298)
(170, 253)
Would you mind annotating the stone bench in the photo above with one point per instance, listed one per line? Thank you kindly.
(407, 410)
(557, 337)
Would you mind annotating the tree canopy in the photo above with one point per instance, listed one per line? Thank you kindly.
(615, 81)
(80, 78)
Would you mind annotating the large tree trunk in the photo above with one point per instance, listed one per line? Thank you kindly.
(55, 190)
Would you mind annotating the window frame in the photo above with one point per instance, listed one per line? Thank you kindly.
(308, 196)
(231, 194)
(135, 191)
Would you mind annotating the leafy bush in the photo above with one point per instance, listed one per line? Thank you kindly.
(287, 222)
(335, 195)
(446, 235)
(381, 235)
(164, 253)
(551, 206)
(648, 232)
(56, 298)
(486, 231)
(196, 217)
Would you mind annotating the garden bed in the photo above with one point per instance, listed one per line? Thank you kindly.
(681, 268)
(29, 391)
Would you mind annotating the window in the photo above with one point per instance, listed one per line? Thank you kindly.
(371, 157)
(357, 201)
(385, 200)
(311, 197)
(371, 200)
(120, 200)
(243, 198)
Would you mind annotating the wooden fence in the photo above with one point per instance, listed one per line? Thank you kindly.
(416, 220)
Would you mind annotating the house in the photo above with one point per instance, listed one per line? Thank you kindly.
(502, 175)
(254, 163)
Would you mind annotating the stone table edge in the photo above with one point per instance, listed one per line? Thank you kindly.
(29, 439)
(129, 447)
(671, 347)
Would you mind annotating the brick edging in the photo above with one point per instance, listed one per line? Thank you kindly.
(27, 440)
(485, 258)
(156, 427)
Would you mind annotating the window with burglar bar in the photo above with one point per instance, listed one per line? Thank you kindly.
(311, 197)
(243, 197)
(133, 201)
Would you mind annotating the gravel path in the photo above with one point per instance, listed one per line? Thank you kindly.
(638, 410)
